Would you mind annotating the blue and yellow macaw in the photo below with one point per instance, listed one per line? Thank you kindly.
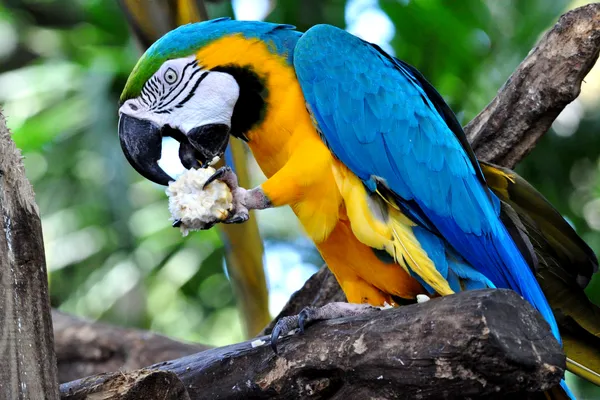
(358, 143)
(244, 248)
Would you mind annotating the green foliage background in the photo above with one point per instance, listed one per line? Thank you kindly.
(111, 252)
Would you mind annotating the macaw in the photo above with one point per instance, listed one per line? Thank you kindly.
(244, 248)
(364, 150)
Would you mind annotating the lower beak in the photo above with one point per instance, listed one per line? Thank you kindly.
(210, 141)
(141, 142)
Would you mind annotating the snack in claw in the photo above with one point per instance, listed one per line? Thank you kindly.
(196, 208)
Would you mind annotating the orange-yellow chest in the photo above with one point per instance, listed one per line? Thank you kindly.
(285, 141)
(303, 173)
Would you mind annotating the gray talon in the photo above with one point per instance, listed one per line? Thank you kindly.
(310, 314)
(237, 219)
(284, 326)
(218, 174)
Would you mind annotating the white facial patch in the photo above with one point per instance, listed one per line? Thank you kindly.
(212, 103)
(183, 95)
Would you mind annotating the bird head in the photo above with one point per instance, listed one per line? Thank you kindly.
(195, 87)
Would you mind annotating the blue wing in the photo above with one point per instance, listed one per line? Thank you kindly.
(377, 116)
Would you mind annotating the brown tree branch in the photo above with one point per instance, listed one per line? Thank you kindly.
(510, 126)
(541, 87)
(87, 348)
(28, 363)
(477, 344)
(143, 384)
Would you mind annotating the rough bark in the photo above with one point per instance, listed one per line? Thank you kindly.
(137, 385)
(543, 84)
(475, 344)
(87, 348)
(26, 343)
(510, 126)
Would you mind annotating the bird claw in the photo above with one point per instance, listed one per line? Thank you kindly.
(304, 318)
(239, 213)
(287, 324)
(178, 222)
(224, 174)
(238, 218)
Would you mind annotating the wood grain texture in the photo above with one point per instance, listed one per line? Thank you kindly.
(137, 385)
(540, 88)
(88, 348)
(476, 344)
(26, 343)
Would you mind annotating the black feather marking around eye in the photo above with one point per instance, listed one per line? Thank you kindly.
(153, 95)
(193, 91)
(193, 62)
(175, 96)
(251, 106)
(153, 85)
(169, 93)
(145, 99)
(149, 93)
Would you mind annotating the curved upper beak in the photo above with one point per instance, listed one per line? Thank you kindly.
(141, 142)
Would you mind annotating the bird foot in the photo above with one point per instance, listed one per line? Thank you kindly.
(287, 325)
(239, 212)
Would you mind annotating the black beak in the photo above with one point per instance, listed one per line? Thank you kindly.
(141, 142)
(210, 141)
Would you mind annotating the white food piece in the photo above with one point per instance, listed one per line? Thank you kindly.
(215, 160)
(257, 343)
(422, 298)
(196, 207)
(386, 306)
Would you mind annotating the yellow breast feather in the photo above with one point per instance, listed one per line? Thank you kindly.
(379, 224)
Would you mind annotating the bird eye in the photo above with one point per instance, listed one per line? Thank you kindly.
(170, 76)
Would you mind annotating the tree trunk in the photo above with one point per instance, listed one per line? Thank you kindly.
(27, 360)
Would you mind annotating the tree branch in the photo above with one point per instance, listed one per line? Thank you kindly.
(475, 344)
(87, 348)
(510, 126)
(137, 385)
(541, 87)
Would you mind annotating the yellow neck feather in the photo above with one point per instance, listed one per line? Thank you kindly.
(271, 141)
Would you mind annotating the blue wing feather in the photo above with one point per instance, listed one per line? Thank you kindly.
(378, 118)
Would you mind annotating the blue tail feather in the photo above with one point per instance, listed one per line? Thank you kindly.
(497, 257)
(449, 264)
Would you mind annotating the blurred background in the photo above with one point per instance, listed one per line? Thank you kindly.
(112, 254)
